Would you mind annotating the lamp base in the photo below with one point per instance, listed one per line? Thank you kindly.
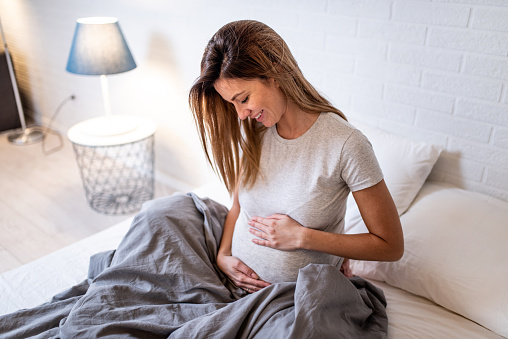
(27, 136)
(108, 126)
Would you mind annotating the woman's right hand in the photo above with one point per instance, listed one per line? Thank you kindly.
(241, 275)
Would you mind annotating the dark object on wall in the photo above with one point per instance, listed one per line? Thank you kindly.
(9, 116)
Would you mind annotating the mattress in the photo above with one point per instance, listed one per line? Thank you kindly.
(27, 286)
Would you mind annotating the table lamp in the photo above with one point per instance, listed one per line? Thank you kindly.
(99, 48)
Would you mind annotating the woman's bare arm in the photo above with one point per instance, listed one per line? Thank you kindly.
(242, 275)
(384, 242)
(229, 227)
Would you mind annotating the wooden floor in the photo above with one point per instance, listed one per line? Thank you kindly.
(42, 202)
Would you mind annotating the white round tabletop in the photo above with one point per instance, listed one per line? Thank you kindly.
(111, 130)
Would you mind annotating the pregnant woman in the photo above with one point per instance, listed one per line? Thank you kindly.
(290, 159)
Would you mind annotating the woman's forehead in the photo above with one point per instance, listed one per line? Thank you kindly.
(229, 89)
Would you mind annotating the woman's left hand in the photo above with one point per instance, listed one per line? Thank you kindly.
(277, 231)
(345, 268)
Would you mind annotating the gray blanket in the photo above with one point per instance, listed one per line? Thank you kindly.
(162, 282)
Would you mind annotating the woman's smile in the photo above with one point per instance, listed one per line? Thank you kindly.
(258, 117)
(258, 99)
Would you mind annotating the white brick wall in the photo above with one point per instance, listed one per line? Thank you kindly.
(492, 19)
(487, 66)
(431, 14)
(431, 70)
(392, 31)
(424, 57)
(501, 137)
(454, 127)
(463, 86)
(468, 40)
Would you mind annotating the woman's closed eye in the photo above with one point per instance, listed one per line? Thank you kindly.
(245, 100)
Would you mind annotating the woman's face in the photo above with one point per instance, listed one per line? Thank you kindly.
(256, 99)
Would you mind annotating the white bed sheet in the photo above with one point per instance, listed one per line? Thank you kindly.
(30, 285)
(411, 316)
(36, 282)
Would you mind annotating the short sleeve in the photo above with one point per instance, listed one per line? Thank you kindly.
(359, 166)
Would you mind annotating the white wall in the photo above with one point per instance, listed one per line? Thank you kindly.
(435, 71)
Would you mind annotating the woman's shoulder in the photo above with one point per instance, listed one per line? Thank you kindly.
(338, 131)
(335, 125)
(336, 120)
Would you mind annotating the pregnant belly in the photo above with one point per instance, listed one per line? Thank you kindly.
(273, 265)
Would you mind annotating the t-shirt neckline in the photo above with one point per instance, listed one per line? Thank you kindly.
(301, 138)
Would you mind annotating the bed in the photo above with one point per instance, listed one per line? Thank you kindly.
(450, 283)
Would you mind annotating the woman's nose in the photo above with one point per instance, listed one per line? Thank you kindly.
(243, 113)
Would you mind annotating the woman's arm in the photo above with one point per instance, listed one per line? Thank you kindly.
(241, 275)
(229, 227)
(384, 242)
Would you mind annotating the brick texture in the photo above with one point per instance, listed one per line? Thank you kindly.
(435, 71)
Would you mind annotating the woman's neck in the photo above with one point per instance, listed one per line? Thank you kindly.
(295, 122)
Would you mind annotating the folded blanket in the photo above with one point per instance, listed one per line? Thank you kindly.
(163, 282)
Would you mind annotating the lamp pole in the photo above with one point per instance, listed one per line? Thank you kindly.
(26, 135)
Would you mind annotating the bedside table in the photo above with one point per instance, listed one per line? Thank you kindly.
(115, 156)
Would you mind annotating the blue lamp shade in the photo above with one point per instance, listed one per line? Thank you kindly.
(99, 48)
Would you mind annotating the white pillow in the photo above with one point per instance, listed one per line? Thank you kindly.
(406, 165)
(456, 255)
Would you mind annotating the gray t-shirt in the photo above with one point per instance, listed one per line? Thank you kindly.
(308, 179)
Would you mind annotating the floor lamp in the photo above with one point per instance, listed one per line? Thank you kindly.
(27, 135)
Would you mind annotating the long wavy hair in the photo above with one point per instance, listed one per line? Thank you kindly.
(246, 50)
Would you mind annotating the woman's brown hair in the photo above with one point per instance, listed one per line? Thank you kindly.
(247, 50)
